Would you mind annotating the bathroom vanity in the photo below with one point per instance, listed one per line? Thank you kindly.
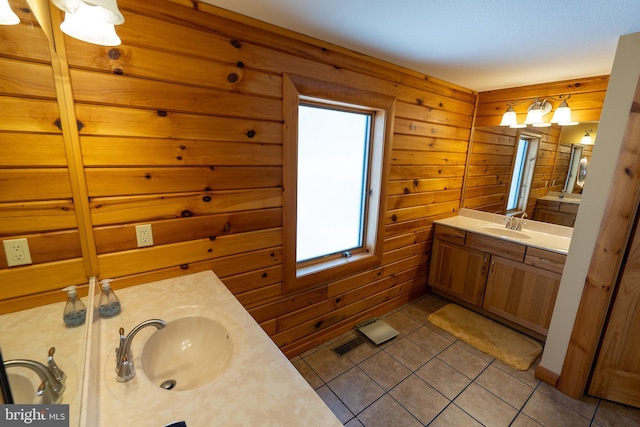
(556, 208)
(511, 275)
(211, 365)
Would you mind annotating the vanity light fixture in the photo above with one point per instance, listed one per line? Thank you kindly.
(92, 21)
(586, 139)
(536, 112)
(7, 16)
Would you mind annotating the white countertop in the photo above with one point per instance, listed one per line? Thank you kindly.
(259, 387)
(541, 235)
(558, 197)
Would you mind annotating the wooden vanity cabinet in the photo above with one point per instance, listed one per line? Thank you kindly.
(459, 271)
(556, 212)
(512, 281)
(521, 293)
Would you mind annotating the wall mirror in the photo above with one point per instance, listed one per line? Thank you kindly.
(30, 334)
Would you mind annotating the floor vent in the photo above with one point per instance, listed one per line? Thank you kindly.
(343, 349)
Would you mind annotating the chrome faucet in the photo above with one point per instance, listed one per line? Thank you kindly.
(52, 384)
(519, 223)
(511, 223)
(124, 358)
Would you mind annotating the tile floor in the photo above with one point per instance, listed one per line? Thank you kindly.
(425, 376)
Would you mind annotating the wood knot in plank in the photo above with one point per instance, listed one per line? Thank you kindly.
(628, 171)
(114, 53)
(233, 77)
(236, 44)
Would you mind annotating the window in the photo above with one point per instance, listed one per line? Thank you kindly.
(523, 165)
(335, 165)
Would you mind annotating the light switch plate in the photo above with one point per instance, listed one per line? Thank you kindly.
(17, 252)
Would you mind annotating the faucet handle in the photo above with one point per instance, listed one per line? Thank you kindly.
(57, 372)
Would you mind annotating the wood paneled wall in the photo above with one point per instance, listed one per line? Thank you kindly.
(492, 147)
(180, 127)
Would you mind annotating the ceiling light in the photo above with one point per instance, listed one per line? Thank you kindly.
(7, 17)
(586, 139)
(91, 21)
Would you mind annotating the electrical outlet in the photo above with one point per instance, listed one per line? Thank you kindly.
(144, 235)
(17, 252)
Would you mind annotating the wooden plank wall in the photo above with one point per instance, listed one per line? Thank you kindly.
(181, 128)
(36, 200)
(492, 146)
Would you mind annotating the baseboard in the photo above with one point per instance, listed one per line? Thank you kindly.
(547, 376)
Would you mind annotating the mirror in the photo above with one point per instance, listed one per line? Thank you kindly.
(559, 177)
(29, 334)
(577, 170)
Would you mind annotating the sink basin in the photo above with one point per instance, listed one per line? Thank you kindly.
(23, 389)
(187, 353)
(505, 232)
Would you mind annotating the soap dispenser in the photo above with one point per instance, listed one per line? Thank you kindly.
(108, 304)
(75, 312)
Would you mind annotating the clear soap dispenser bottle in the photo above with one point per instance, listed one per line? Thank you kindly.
(108, 304)
(75, 312)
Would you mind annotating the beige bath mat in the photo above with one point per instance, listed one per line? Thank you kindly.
(511, 347)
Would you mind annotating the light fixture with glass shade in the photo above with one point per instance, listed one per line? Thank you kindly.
(7, 16)
(92, 21)
(562, 115)
(536, 112)
(586, 139)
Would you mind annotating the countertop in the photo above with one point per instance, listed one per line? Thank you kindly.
(567, 198)
(551, 237)
(259, 387)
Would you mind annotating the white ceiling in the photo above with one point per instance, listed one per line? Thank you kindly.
(478, 44)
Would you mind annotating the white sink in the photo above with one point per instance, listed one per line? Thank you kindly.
(187, 353)
(23, 389)
(506, 232)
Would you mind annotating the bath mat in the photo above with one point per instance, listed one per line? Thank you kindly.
(511, 347)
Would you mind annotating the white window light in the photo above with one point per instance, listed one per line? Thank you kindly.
(7, 16)
(92, 21)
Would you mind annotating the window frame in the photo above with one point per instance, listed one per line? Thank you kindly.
(298, 89)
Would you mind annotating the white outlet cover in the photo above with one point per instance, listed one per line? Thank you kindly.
(17, 252)
(144, 235)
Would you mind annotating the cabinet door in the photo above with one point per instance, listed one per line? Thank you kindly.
(458, 271)
(521, 293)
(561, 218)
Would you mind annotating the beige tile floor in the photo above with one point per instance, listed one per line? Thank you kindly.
(425, 376)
